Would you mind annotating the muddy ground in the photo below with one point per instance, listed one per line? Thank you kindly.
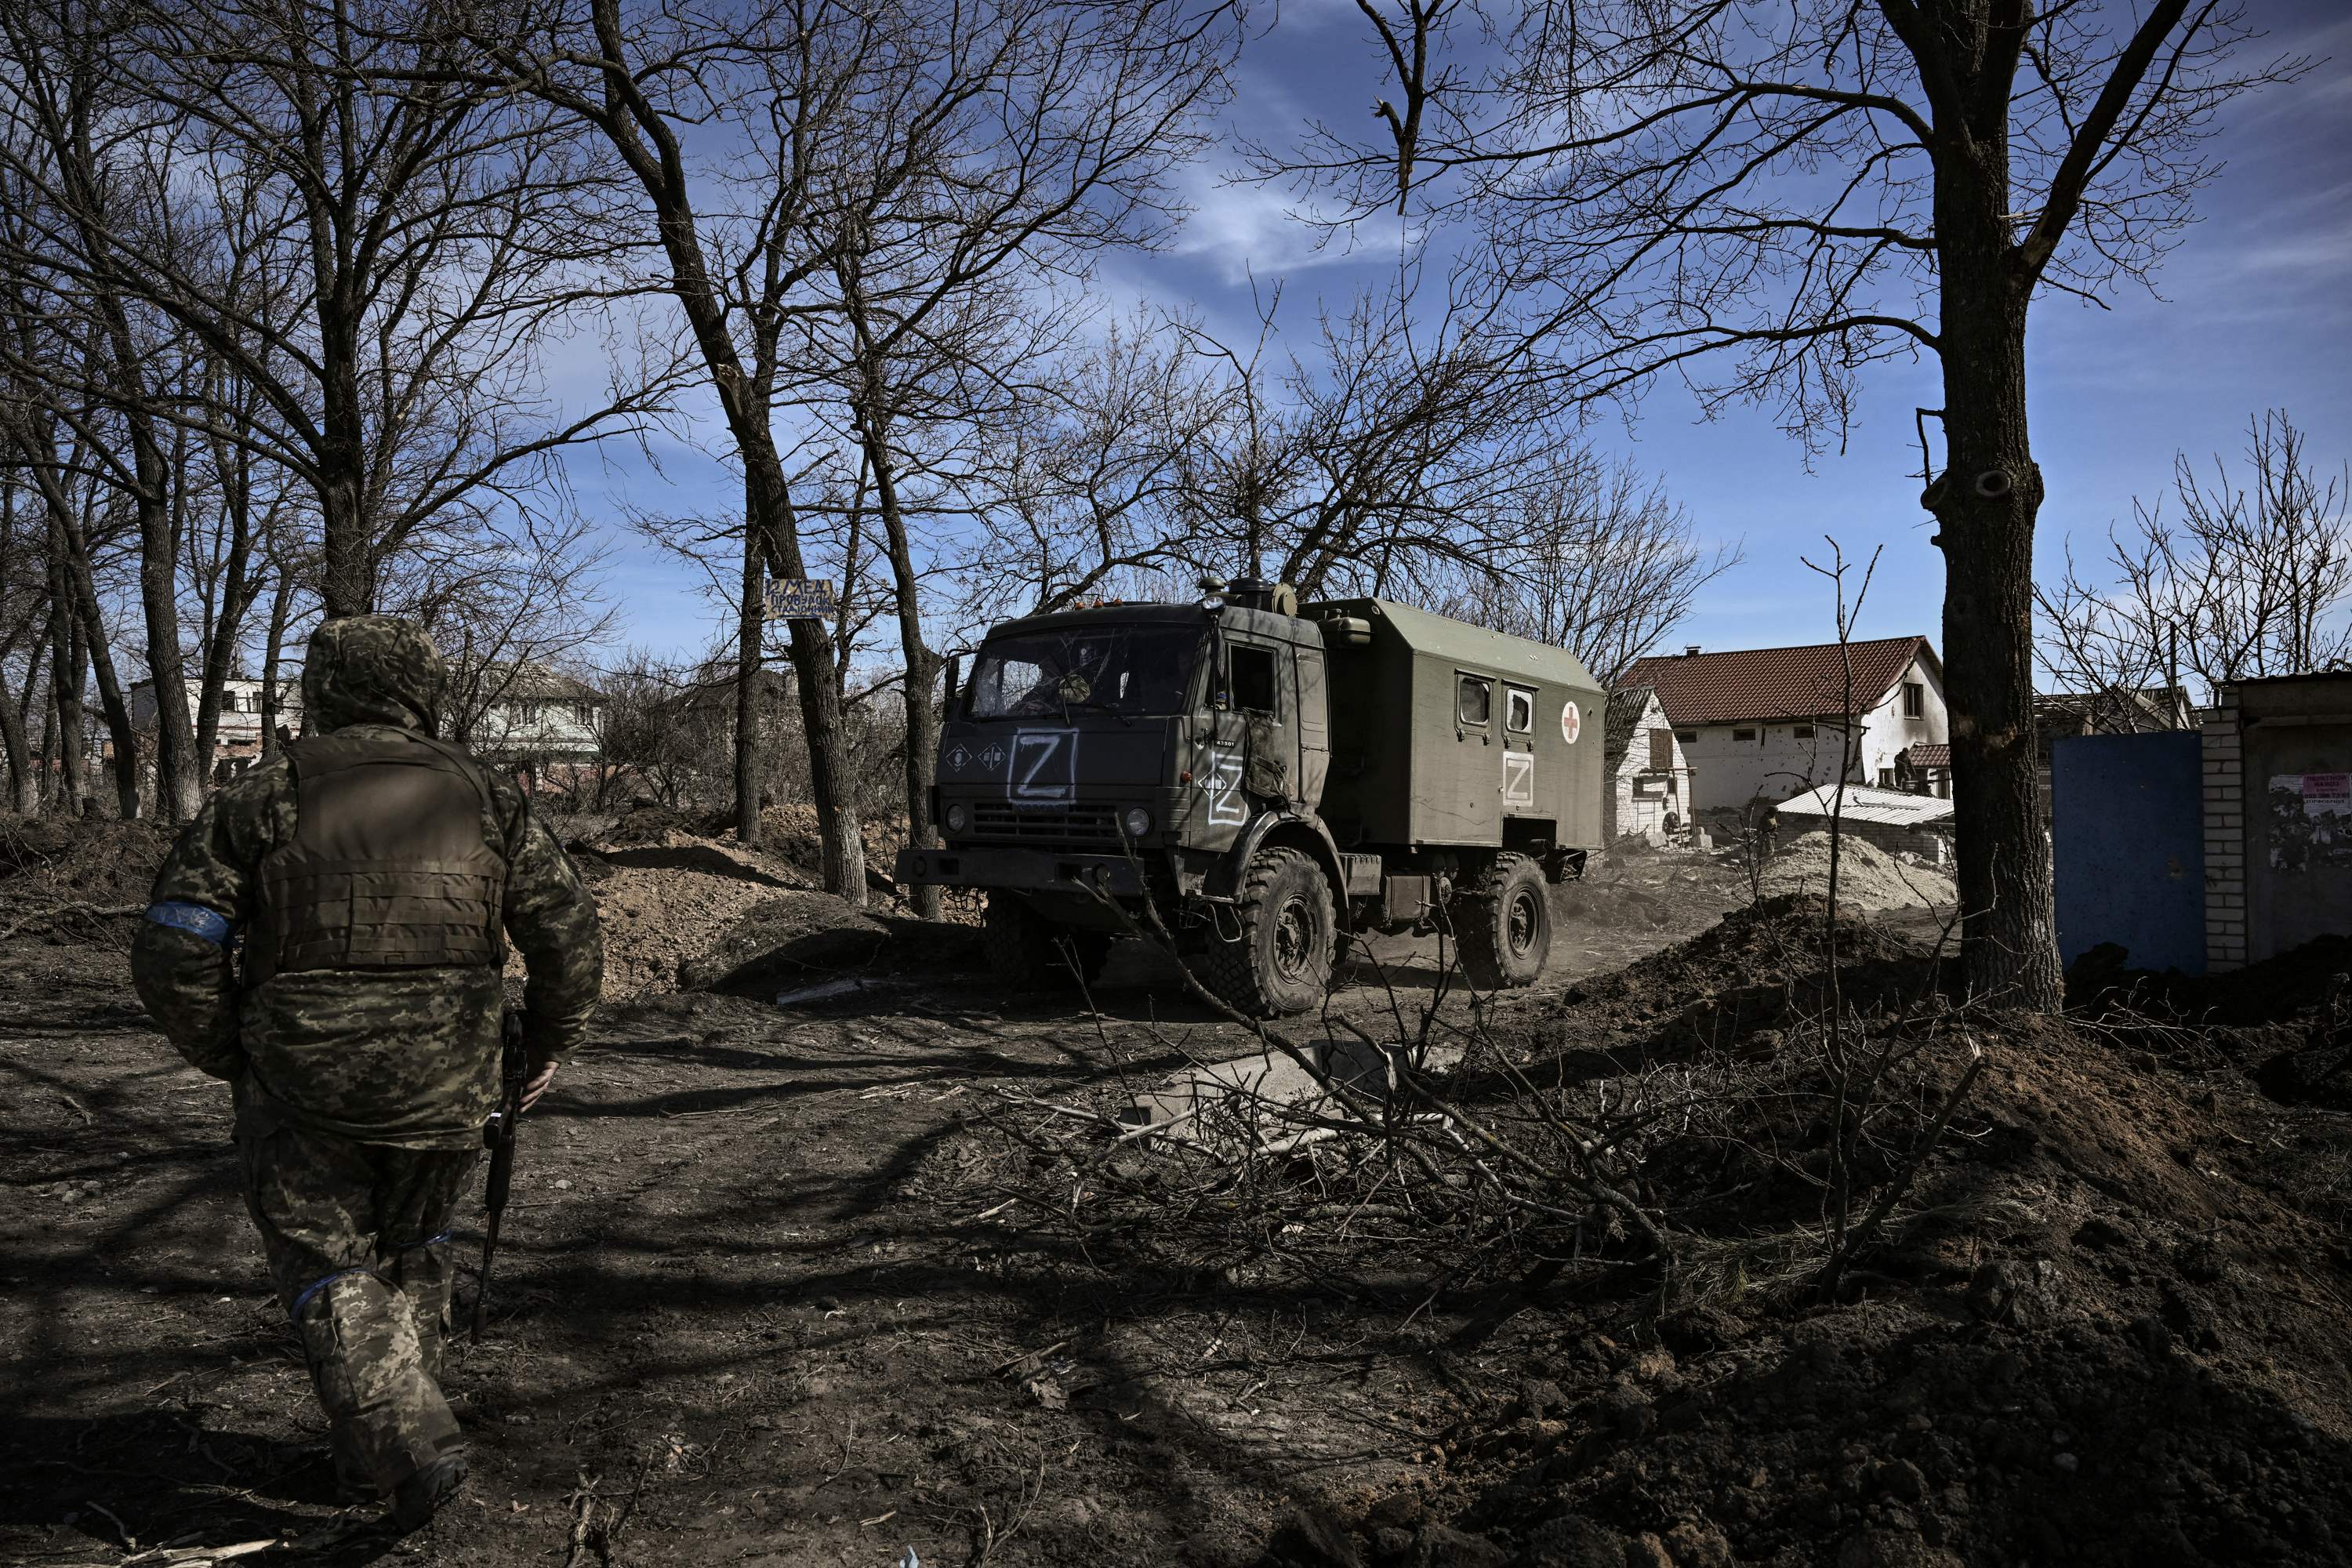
(772, 1291)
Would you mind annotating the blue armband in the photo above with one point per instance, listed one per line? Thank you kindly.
(194, 919)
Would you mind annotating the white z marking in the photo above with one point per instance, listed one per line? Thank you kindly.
(1223, 785)
(1519, 778)
(1045, 768)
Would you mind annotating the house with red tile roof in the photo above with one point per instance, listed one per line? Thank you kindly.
(1766, 723)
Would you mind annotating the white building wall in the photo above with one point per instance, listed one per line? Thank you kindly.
(546, 726)
(1778, 759)
(239, 720)
(1640, 797)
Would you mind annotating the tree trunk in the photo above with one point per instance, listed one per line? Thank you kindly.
(179, 791)
(347, 579)
(50, 785)
(831, 778)
(922, 665)
(1985, 503)
(24, 797)
(750, 628)
(67, 659)
(631, 123)
(77, 589)
(274, 642)
(31, 787)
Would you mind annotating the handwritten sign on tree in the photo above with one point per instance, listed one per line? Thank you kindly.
(800, 599)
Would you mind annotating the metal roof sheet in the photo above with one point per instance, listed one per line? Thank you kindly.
(1889, 807)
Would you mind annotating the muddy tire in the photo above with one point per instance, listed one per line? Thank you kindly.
(1503, 930)
(1026, 951)
(1282, 962)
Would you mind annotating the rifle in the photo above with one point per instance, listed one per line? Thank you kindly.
(514, 1070)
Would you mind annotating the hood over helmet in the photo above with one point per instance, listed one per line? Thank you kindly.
(372, 669)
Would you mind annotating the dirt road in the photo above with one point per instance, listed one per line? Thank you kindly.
(752, 1307)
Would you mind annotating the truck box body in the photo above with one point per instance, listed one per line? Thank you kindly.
(1411, 762)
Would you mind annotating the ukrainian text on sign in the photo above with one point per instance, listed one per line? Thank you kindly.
(800, 599)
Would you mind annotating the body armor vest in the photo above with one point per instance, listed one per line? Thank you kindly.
(388, 867)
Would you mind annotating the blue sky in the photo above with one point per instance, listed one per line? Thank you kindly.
(2256, 311)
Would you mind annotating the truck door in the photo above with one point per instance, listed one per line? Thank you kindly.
(1518, 762)
(1262, 688)
(1313, 729)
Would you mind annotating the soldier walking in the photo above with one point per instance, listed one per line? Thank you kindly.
(329, 935)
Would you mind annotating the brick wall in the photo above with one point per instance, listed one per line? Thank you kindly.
(2225, 833)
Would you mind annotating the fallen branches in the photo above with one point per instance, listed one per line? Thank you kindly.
(47, 918)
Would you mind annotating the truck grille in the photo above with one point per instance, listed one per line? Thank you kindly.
(1069, 825)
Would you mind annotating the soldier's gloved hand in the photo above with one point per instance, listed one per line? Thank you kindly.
(536, 1085)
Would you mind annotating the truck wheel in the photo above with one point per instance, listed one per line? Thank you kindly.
(1026, 951)
(1503, 930)
(1282, 962)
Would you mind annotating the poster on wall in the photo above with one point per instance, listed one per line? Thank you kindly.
(2310, 821)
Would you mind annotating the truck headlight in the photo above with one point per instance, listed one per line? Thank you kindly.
(1137, 821)
(958, 818)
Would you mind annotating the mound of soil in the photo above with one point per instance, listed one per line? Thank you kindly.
(1633, 884)
(804, 939)
(1739, 983)
(649, 825)
(2103, 1328)
(54, 869)
(790, 832)
(1868, 876)
(2286, 1021)
(667, 895)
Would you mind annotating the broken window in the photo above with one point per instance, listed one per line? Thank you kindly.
(1253, 670)
(1475, 699)
(1519, 710)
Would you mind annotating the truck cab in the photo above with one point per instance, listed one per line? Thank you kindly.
(1258, 778)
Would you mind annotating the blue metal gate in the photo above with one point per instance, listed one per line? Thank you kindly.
(2127, 835)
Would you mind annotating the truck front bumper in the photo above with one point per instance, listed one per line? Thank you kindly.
(1019, 869)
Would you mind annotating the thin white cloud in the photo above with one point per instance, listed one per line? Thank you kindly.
(1239, 231)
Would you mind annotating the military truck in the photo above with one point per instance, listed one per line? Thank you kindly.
(1266, 780)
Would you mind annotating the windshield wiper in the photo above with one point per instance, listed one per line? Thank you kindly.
(1100, 705)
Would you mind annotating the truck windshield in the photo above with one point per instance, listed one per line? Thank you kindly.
(1133, 670)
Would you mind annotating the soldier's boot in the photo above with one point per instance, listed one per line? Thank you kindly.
(359, 1337)
(353, 1485)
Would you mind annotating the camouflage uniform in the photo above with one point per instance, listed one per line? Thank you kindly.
(364, 1073)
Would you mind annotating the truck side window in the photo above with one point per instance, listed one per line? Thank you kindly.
(1475, 699)
(1519, 710)
(1253, 675)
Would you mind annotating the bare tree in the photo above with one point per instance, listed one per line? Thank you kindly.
(379, 251)
(508, 614)
(2241, 579)
(1765, 200)
(88, 359)
(648, 80)
(1595, 559)
(986, 148)
(23, 608)
(1390, 448)
(1077, 490)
